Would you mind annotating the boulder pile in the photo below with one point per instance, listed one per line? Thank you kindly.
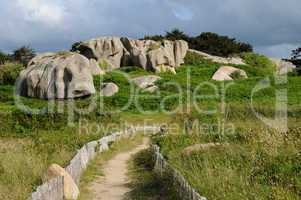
(217, 59)
(114, 52)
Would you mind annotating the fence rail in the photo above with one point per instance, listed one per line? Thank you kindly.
(185, 190)
(53, 189)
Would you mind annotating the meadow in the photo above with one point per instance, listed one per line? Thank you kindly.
(256, 161)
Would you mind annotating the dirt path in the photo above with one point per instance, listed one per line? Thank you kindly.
(114, 185)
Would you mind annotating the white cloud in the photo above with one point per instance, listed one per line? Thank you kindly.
(47, 12)
(48, 25)
(181, 10)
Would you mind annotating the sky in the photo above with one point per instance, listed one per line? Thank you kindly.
(273, 27)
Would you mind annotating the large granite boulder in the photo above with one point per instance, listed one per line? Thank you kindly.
(155, 56)
(282, 66)
(59, 75)
(106, 50)
(71, 190)
(217, 59)
(227, 73)
(114, 52)
(147, 83)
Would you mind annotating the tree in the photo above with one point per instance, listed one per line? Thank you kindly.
(4, 58)
(215, 44)
(208, 42)
(24, 55)
(154, 37)
(296, 59)
(75, 46)
(176, 34)
(296, 54)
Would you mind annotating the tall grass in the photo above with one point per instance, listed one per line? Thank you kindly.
(254, 162)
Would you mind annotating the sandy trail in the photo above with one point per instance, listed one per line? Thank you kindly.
(113, 186)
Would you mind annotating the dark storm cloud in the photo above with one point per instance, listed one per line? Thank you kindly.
(273, 27)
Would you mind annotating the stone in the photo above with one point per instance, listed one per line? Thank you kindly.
(180, 49)
(217, 59)
(71, 190)
(152, 55)
(282, 66)
(147, 82)
(224, 73)
(96, 70)
(109, 89)
(59, 75)
(114, 52)
(151, 89)
(165, 69)
(107, 50)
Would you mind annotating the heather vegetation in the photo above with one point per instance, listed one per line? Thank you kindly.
(254, 161)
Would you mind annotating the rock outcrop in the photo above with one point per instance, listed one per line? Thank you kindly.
(202, 147)
(71, 190)
(59, 75)
(227, 73)
(147, 83)
(147, 54)
(105, 49)
(282, 66)
(217, 59)
(109, 89)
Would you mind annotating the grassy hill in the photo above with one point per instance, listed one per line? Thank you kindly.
(257, 162)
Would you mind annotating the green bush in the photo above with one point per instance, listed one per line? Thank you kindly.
(192, 58)
(236, 75)
(218, 45)
(103, 64)
(24, 55)
(4, 58)
(9, 72)
(211, 43)
(257, 60)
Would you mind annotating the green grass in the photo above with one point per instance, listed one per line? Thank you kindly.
(259, 164)
(255, 163)
(145, 184)
(94, 169)
(9, 72)
(103, 64)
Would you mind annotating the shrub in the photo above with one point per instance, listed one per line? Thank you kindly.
(4, 58)
(195, 59)
(236, 75)
(177, 34)
(103, 64)
(296, 60)
(154, 37)
(215, 44)
(208, 42)
(154, 47)
(24, 55)
(9, 72)
(256, 60)
(75, 46)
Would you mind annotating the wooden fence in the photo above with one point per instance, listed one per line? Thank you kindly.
(185, 190)
(53, 189)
